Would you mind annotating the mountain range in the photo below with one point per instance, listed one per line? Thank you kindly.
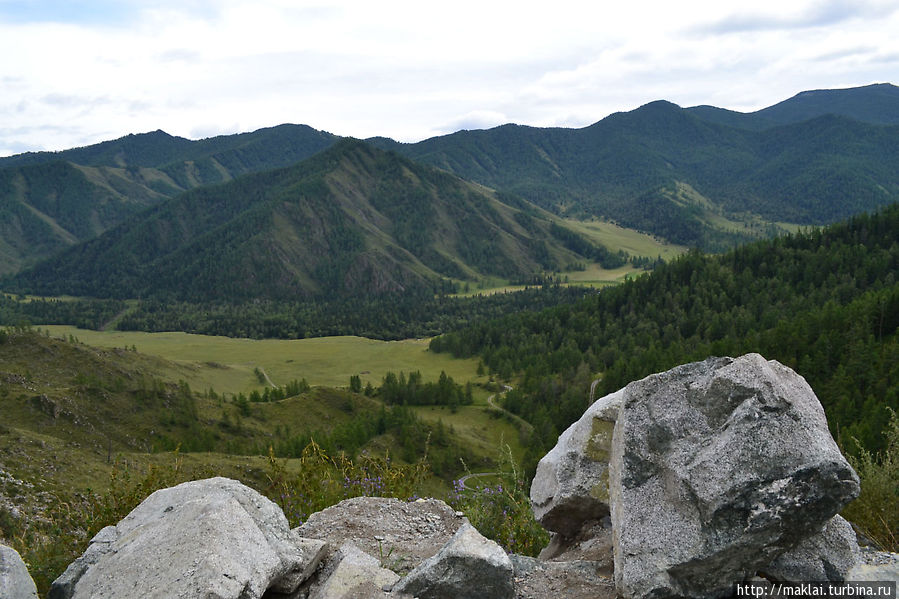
(686, 175)
(300, 211)
(352, 218)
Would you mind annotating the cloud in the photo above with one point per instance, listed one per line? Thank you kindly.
(476, 119)
(179, 55)
(821, 13)
(842, 53)
(409, 69)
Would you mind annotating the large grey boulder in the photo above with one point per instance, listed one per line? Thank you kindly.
(469, 566)
(717, 468)
(15, 581)
(827, 556)
(213, 538)
(571, 485)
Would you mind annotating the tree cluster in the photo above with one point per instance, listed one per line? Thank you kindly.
(824, 302)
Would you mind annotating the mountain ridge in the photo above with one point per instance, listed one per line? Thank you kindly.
(350, 219)
(745, 180)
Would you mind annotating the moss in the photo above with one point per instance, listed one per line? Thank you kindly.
(599, 445)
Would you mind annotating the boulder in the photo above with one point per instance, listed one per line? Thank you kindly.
(15, 581)
(353, 574)
(717, 468)
(399, 533)
(467, 567)
(213, 538)
(827, 556)
(571, 485)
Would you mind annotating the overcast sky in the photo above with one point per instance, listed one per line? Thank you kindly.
(76, 72)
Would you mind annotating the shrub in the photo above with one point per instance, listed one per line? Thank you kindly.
(502, 512)
(876, 511)
(321, 481)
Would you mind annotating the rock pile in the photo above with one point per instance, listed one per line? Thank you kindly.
(219, 539)
(712, 473)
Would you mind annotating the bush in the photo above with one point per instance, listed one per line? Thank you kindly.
(322, 481)
(503, 512)
(876, 511)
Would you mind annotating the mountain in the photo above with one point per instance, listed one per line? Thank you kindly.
(876, 104)
(665, 170)
(700, 176)
(352, 219)
(52, 200)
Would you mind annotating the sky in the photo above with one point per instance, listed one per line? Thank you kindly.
(76, 72)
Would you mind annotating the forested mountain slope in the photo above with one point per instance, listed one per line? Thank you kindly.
(52, 200)
(685, 176)
(824, 302)
(352, 219)
(877, 104)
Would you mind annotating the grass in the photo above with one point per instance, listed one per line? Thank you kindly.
(876, 511)
(477, 427)
(227, 364)
(76, 416)
(69, 408)
(617, 238)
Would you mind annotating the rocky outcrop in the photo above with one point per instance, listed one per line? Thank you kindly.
(467, 567)
(15, 581)
(353, 574)
(571, 485)
(217, 538)
(714, 471)
(717, 468)
(400, 533)
(213, 538)
(875, 566)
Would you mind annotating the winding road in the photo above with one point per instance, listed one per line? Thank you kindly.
(515, 417)
(464, 480)
(506, 388)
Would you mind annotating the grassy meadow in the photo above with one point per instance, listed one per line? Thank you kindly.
(617, 238)
(228, 365)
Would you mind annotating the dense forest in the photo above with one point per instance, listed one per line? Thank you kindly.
(421, 314)
(798, 164)
(824, 302)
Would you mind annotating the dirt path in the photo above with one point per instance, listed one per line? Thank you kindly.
(265, 374)
(593, 390)
(464, 480)
(514, 417)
